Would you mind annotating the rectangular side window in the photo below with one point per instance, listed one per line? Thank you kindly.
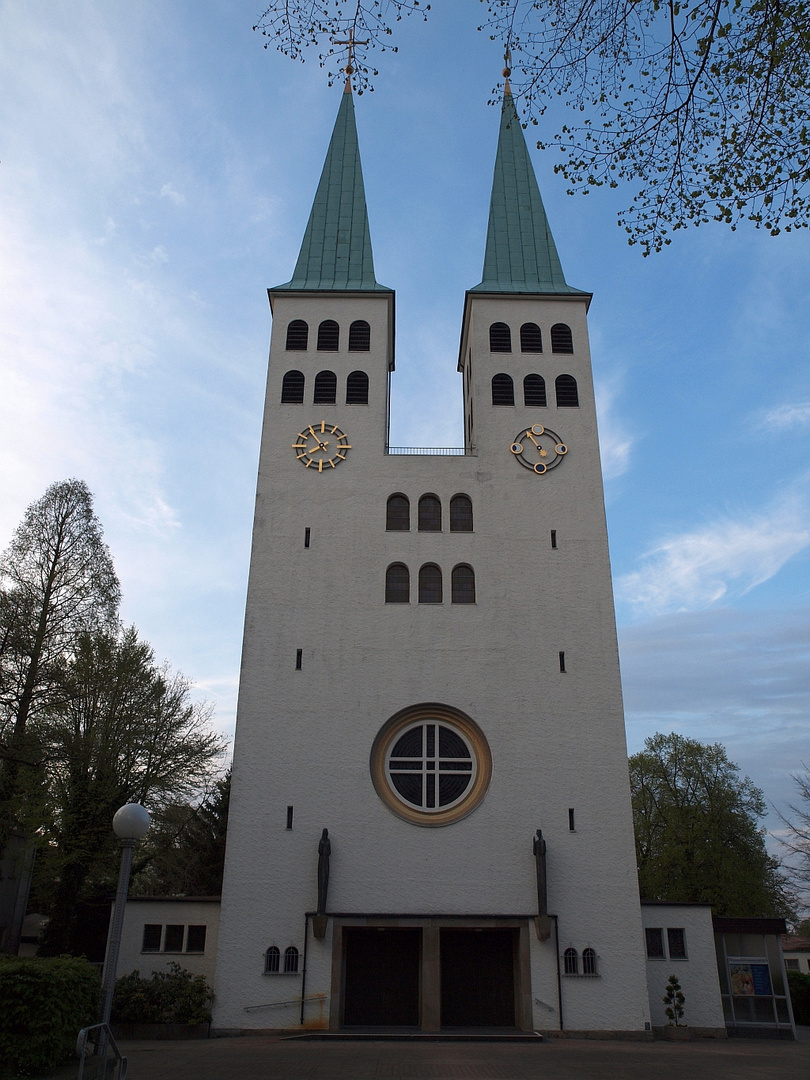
(655, 943)
(174, 938)
(151, 937)
(676, 942)
(195, 939)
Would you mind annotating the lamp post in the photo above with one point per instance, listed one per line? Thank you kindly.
(130, 824)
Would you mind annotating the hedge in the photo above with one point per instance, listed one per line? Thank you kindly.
(169, 997)
(799, 984)
(44, 1003)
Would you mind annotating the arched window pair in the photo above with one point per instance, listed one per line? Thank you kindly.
(531, 340)
(398, 584)
(534, 390)
(328, 336)
(272, 961)
(398, 514)
(292, 388)
(571, 962)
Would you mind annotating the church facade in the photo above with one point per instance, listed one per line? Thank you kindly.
(430, 822)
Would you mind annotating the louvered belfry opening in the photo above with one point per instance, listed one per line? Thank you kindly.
(328, 336)
(531, 340)
(430, 514)
(357, 388)
(503, 389)
(561, 339)
(567, 394)
(461, 515)
(398, 514)
(500, 338)
(430, 584)
(397, 584)
(359, 336)
(534, 390)
(463, 585)
(325, 388)
(297, 336)
(292, 388)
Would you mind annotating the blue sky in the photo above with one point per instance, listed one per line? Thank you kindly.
(158, 166)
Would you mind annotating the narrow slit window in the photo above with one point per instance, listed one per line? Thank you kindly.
(357, 388)
(461, 515)
(292, 388)
(290, 960)
(571, 823)
(567, 393)
(359, 336)
(463, 585)
(397, 584)
(289, 817)
(571, 962)
(561, 338)
(430, 514)
(325, 388)
(534, 391)
(503, 389)
(562, 661)
(297, 336)
(299, 659)
(430, 584)
(272, 961)
(398, 514)
(530, 338)
(553, 538)
(307, 534)
(500, 337)
(588, 961)
(328, 336)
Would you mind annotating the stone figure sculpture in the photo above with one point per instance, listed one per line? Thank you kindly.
(542, 922)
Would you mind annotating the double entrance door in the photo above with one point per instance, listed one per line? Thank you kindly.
(390, 976)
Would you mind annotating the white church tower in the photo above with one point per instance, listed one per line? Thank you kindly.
(430, 669)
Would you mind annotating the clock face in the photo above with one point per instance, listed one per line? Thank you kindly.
(321, 446)
(538, 449)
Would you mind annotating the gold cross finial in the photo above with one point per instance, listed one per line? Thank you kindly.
(349, 69)
(507, 69)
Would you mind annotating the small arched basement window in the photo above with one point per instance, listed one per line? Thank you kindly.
(571, 962)
(328, 334)
(359, 336)
(397, 514)
(297, 336)
(534, 390)
(430, 584)
(567, 394)
(503, 389)
(325, 388)
(292, 388)
(357, 388)
(430, 514)
(272, 961)
(397, 584)
(463, 584)
(561, 340)
(500, 337)
(589, 962)
(290, 960)
(531, 340)
(461, 518)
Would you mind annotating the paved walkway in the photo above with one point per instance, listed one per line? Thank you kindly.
(260, 1057)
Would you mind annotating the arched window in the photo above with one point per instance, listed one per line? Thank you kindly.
(398, 514)
(531, 340)
(397, 584)
(534, 390)
(328, 333)
(290, 960)
(503, 389)
(430, 514)
(357, 388)
(430, 584)
(588, 961)
(292, 388)
(359, 336)
(461, 519)
(325, 388)
(561, 340)
(571, 962)
(567, 396)
(463, 585)
(272, 961)
(500, 337)
(297, 336)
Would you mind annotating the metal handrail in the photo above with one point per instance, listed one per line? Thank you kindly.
(438, 451)
(289, 1001)
(105, 1040)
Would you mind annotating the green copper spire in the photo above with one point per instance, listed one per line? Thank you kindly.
(336, 252)
(521, 256)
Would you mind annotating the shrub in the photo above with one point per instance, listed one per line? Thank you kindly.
(169, 997)
(799, 984)
(673, 999)
(43, 1005)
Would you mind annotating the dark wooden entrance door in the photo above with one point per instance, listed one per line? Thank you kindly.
(478, 978)
(381, 976)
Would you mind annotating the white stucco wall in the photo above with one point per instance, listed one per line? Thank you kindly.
(697, 974)
(163, 912)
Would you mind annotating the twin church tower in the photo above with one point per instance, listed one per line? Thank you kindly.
(430, 821)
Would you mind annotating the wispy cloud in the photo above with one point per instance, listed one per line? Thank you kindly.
(168, 192)
(693, 570)
(615, 441)
(788, 416)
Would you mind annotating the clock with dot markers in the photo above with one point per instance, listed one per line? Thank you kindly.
(321, 446)
(539, 449)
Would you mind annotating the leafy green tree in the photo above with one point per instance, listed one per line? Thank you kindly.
(697, 830)
(701, 105)
(125, 729)
(57, 580)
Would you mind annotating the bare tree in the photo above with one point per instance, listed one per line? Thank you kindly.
(796, 841)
